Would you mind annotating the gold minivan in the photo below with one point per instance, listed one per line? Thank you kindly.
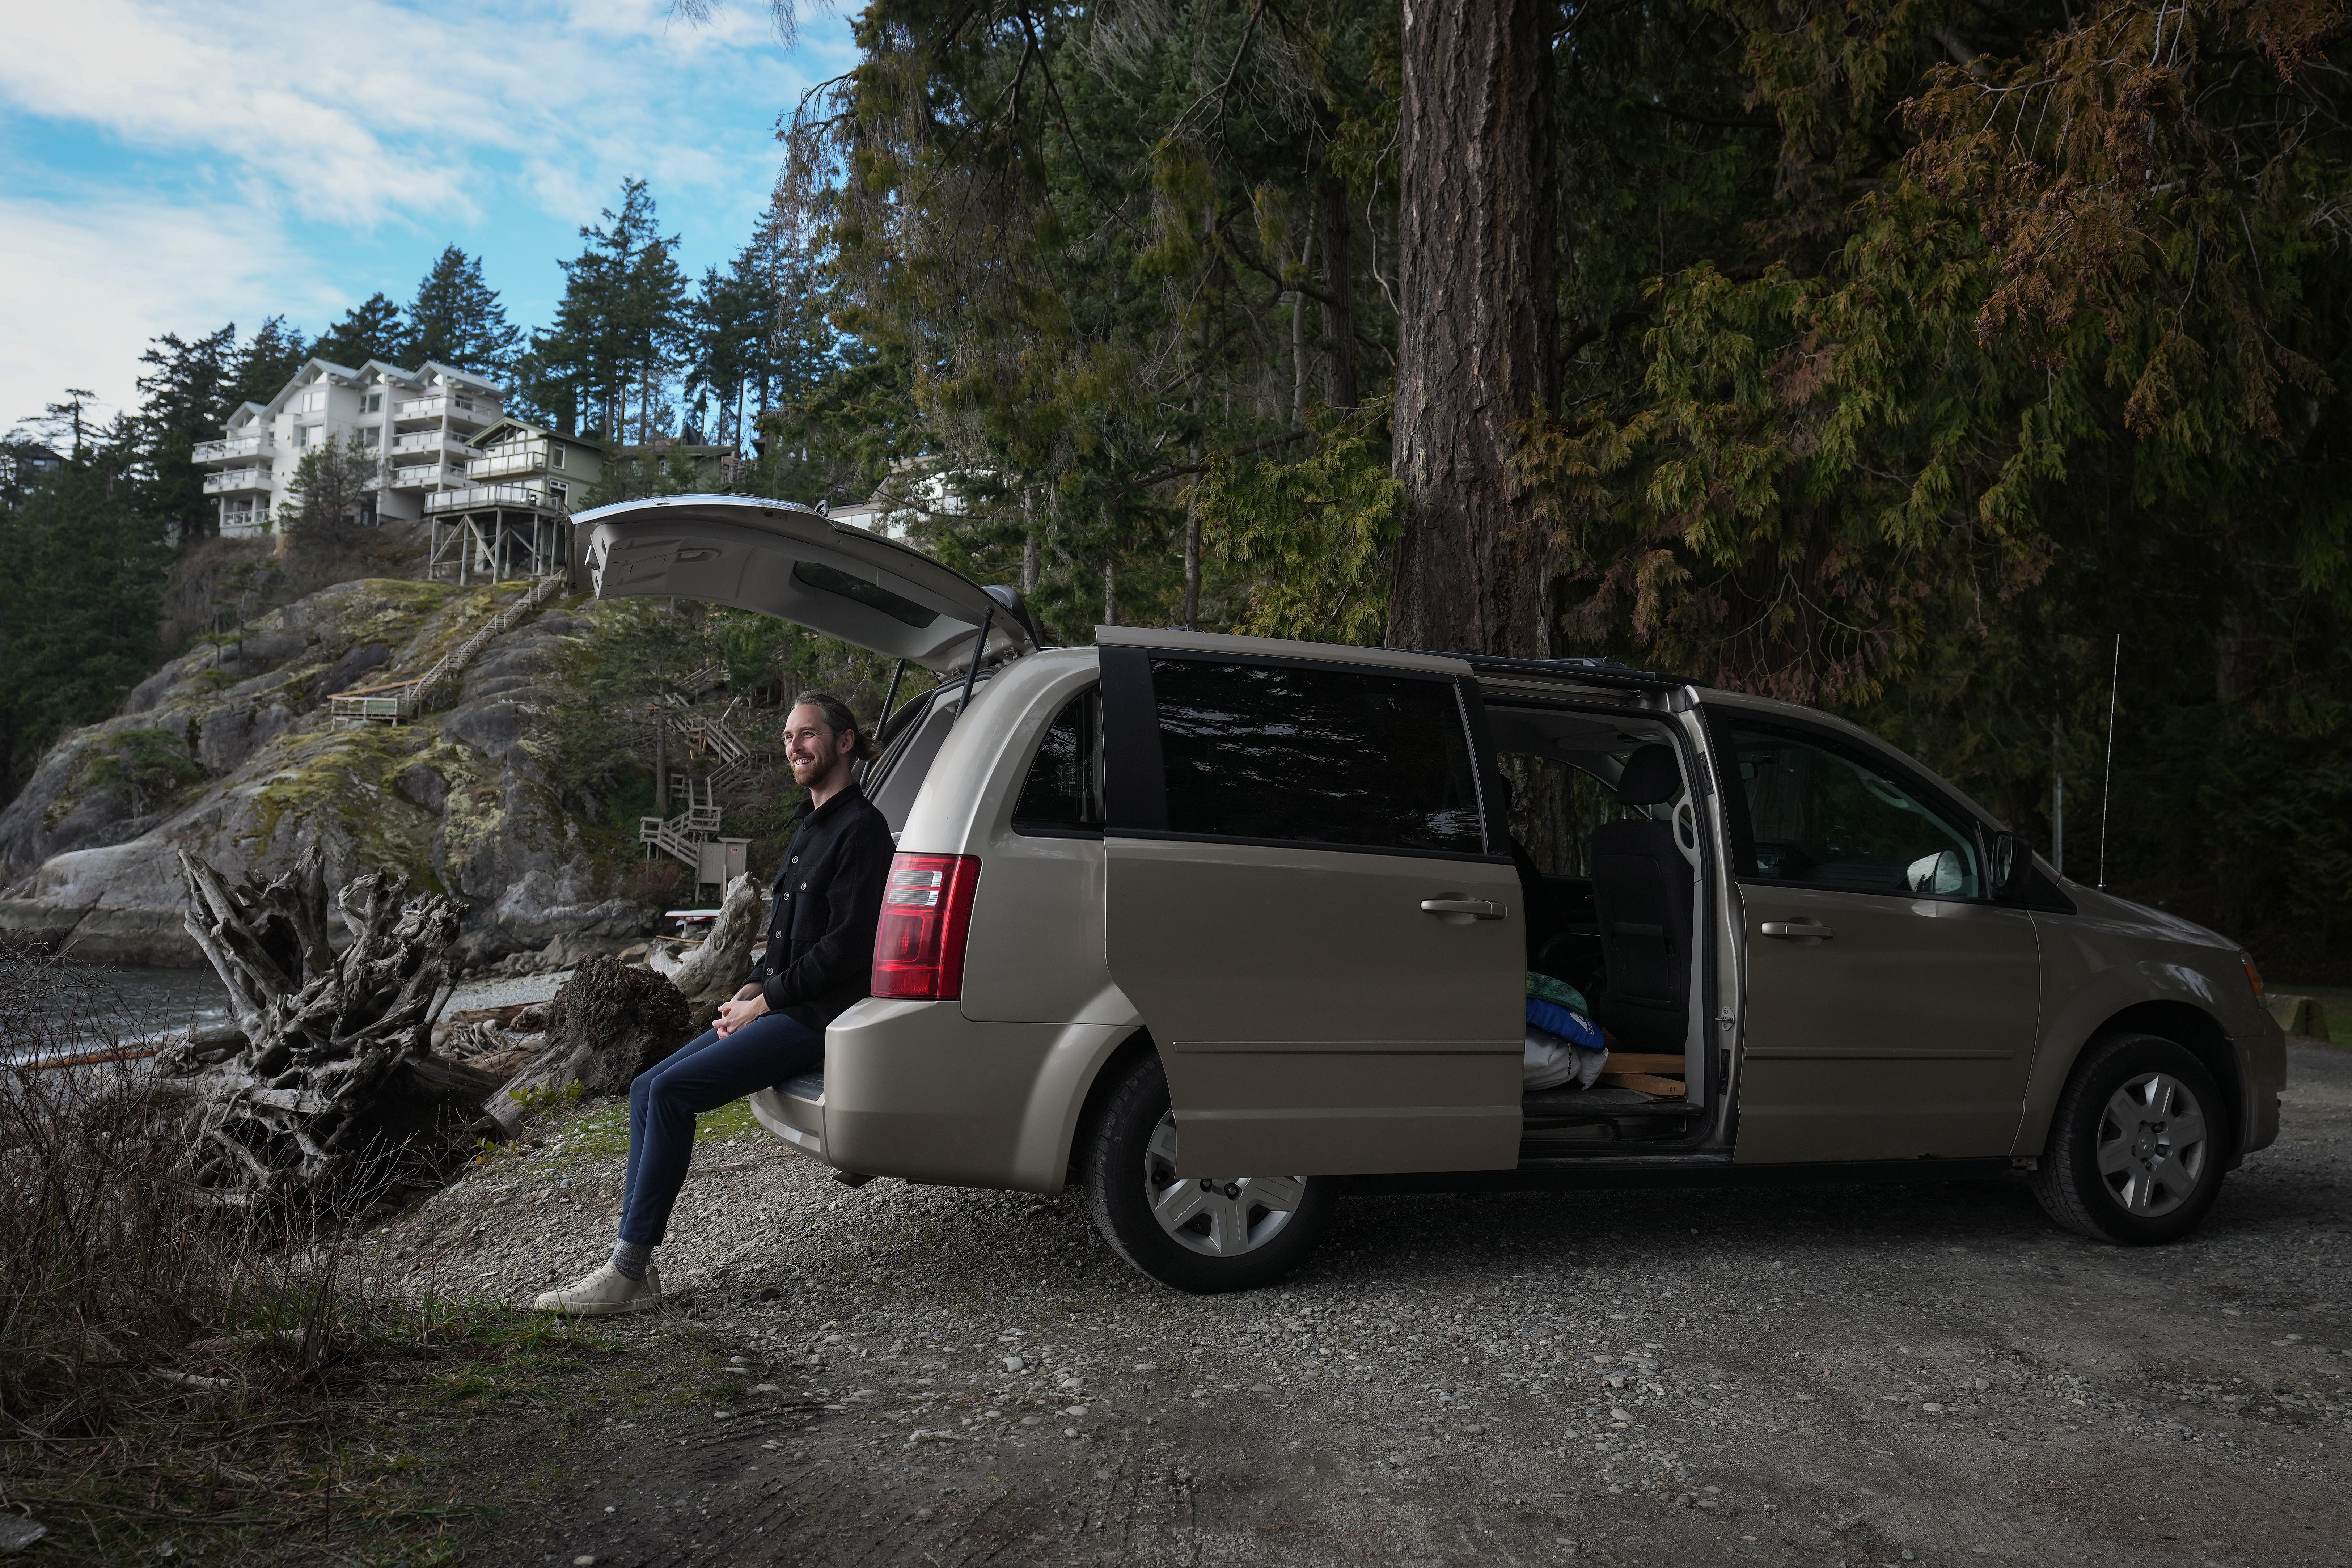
(1178, 906)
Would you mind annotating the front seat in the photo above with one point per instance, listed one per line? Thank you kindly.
(1641, 892)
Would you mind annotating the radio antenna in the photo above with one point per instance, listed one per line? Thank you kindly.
(2108, 787)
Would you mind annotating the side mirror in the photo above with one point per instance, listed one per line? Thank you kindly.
(2013, 866)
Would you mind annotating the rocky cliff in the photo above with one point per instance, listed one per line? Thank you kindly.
(231, 752)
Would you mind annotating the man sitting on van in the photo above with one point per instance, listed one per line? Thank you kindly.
(819, 960)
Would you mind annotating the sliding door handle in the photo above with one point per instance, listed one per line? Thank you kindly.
(1476, 909)
(1795, 929)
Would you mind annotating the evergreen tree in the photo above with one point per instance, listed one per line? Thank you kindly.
(332, 497)
(457, 318)
(264, 364)
(181, 405)
(621, 330)
(80, 600)
(372, 329)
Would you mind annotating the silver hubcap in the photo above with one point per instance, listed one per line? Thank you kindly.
(1222, 1217)
(2152, 1145)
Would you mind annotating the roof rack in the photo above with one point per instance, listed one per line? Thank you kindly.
(1601, 671)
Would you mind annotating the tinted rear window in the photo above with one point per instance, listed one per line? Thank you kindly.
(1064, 788)
(1314, 756)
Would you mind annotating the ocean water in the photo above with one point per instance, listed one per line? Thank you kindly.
(86, 1007)
(77, 1005)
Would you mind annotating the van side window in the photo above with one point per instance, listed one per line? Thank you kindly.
(1315, 756)
(1824, 816)
(1064, 789)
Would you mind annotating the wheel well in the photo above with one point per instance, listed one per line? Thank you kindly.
(2197, 1032)
(1114, 1067)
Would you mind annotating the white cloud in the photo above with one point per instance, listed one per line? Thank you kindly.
(368, 111)
(273, 125)
(103, 279)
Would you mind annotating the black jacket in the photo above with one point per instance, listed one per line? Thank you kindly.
(828, 899)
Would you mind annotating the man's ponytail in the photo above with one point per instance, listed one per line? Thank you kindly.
(840, 720)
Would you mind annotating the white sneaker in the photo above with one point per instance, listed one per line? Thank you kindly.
(605, 1293)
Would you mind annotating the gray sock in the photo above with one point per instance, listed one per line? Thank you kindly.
(630, 1258)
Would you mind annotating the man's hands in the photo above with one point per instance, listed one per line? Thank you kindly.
(750, 1003)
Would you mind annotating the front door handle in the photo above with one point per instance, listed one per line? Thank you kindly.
(1476, 909)
(1795, 929)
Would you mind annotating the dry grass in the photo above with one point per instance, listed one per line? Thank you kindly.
(171, 1370)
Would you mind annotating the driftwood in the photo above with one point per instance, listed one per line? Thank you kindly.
(713, 971)
(608, 1023)
(331, 1059)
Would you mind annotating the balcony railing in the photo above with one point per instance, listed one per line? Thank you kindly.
(473, 497)
(417, 476)
(513, 458)
(426, 443)
(471, 410)
(234, 448)
(233, 481)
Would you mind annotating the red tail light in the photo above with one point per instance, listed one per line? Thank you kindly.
(925, 916)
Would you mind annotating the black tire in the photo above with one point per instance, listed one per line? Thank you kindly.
(1118, 1164)
(2156, 1185)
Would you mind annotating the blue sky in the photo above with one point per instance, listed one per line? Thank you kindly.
(176, 164)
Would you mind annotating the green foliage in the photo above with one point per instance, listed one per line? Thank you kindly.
(457, 318)
(181, 405)
(329, 498)
(1087, 240)
(151, 766)
(645, 471)
(621, 330)
(263, 364)
(1310, 538)
(370, 329)
(79, 601)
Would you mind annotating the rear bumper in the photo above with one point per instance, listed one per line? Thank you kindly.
(794, 1112)
(918, 1090)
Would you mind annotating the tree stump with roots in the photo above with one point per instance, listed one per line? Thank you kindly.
(335, 1057)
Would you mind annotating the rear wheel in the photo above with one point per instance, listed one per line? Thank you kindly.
(1199, 1234)
(2137, 1147)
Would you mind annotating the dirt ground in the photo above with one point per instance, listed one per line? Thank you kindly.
(1928, 1375)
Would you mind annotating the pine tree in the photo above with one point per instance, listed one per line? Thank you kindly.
(372, 330)
(79, 602)
(331, 496)
(264, 364)
(181, 405)
(621, 330)
(457, 318)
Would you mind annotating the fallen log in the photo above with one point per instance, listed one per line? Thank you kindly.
(710, 973)
(330, 1067)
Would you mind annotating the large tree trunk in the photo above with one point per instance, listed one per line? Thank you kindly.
(1475, 341)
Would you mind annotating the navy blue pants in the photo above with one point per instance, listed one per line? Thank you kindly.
(703, 1074)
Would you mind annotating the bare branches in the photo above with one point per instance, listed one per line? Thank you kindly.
(287, 1112)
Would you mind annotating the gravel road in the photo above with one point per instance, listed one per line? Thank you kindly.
(1932, 1374)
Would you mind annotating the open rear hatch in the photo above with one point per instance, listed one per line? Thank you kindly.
(793, 562)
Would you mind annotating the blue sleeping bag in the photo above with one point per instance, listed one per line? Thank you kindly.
(1570, 1025)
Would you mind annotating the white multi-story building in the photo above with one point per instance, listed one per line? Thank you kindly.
(418, 422)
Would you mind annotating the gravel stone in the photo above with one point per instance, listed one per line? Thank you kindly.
(1439, 1382)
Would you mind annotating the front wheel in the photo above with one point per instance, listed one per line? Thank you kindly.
(1200, 1233)
(2137, 1147)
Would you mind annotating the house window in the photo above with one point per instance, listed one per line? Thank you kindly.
(370, 435)
(554, 455)
(374, 403)
(559, 492)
